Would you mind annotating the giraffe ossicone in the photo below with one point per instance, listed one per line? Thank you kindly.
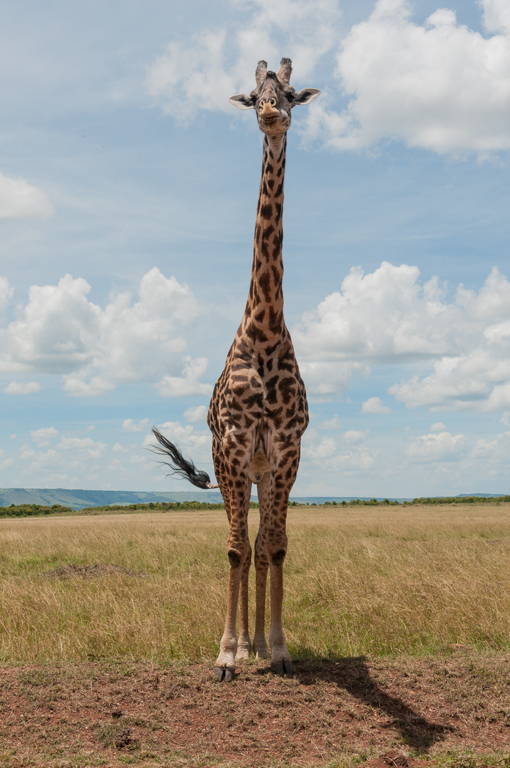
(258, 411)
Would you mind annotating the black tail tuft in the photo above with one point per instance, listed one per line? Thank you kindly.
(178, 464)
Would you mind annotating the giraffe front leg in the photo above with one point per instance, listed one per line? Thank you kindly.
(259, 639)
(281, 660)
(244, 642)
(282, 482)
(261, 567)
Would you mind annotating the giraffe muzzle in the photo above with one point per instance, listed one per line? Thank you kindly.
(268, 113)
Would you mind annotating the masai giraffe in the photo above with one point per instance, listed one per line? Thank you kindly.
(258, 411)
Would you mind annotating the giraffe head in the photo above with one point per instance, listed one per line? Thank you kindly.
(274, 98)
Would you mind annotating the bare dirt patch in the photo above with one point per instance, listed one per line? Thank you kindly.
(453, 710)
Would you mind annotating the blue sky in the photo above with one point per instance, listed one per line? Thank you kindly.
(128, 191)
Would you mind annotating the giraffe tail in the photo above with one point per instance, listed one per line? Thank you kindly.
(178, 464)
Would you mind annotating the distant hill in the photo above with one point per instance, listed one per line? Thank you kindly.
(480, 495)
(78, 499)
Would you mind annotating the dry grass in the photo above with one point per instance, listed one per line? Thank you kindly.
(370, 580)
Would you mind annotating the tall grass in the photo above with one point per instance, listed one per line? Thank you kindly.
(378, 580)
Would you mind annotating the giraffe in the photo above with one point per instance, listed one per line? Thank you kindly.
(258, 411)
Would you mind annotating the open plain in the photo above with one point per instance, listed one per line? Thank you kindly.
(398, 618)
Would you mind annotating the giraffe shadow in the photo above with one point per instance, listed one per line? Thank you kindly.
(352, 674)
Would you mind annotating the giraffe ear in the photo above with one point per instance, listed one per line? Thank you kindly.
(242, 101)
(306, 96)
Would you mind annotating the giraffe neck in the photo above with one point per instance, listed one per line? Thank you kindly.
(263, 317)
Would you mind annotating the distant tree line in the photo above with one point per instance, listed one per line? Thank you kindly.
(39, 510)
(34, 510)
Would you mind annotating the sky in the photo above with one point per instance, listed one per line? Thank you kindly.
(128, 190)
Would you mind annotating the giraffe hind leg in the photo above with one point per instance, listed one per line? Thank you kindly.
(283, 480)
(260, 647)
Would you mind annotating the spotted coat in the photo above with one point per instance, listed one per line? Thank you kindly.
(258, 411)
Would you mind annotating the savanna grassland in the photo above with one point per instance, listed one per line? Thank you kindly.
(398, 618)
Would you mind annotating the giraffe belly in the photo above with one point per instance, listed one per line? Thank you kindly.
(258, 466)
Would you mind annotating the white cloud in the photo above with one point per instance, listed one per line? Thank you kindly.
(381, 317)
(21, 200)
(378, 317)
(22, 387)
(474, 381)
(184, 386)
(355, 436)
(204, 72)
(128, 425)
(44, 435)
(439, 86)
(82, 447)
(196, 414)
(498, 450)
(333, 423)
(317, 449)
(437, 446)
(387, 318)
(5, 463)
(191, 77)
(375, 405)
(327, 454)
(329, 379)
(6, 292)
(496, 15)
(54, 465)
(60, 331)
(438, 427)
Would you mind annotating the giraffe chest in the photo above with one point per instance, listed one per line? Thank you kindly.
(257, 388)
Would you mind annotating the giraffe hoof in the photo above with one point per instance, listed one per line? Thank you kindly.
(224, 674)
(282, 668)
